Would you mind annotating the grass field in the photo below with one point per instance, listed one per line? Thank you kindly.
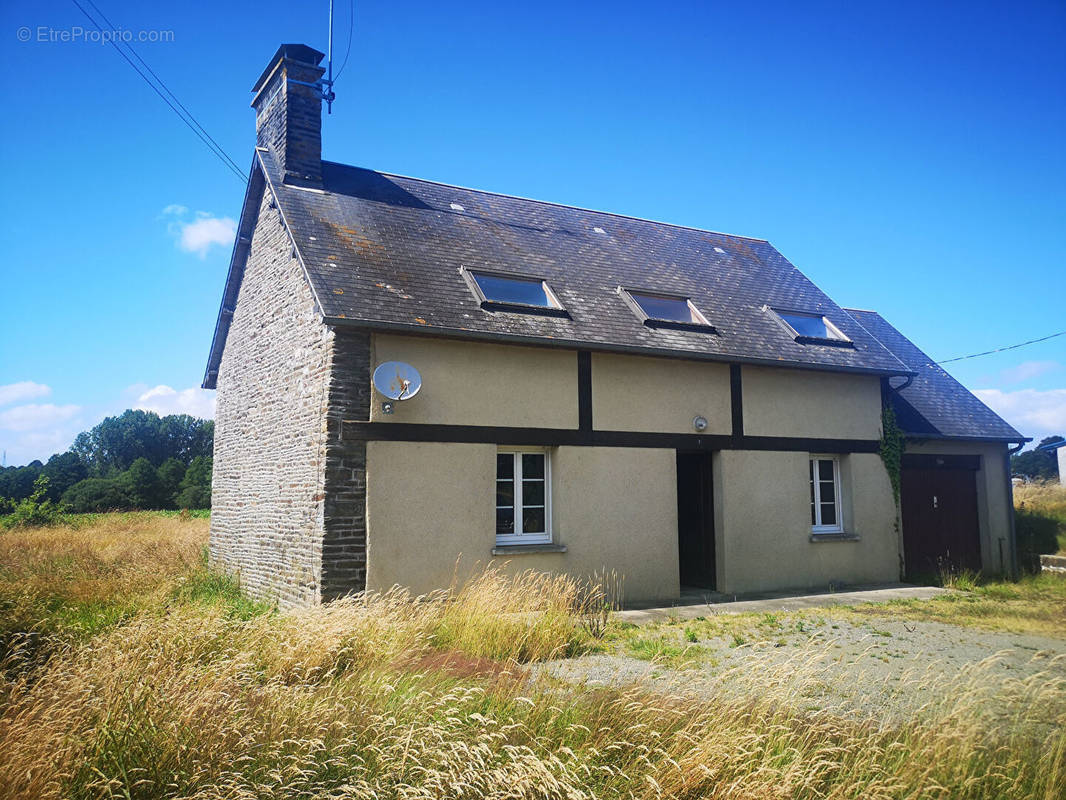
(1047, 499)
(132, 671)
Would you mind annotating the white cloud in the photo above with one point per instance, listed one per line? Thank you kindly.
(30, 446)
(1033, 412)
(35, 430)
(202, 232)
(164, 400)
(1027, 371)
(198, 237)
(33, 417)
(22, 391)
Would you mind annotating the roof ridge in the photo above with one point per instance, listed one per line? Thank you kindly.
(551, 203)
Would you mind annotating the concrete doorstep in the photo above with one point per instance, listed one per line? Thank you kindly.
(703, 603)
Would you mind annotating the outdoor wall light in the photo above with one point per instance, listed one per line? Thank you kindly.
(700, 424)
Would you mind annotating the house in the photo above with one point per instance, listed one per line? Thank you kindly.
(599, 392)
(1060, 449)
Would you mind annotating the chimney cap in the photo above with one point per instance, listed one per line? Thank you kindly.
(291, 52)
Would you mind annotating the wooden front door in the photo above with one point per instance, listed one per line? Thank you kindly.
(695, 520)
(940, 528)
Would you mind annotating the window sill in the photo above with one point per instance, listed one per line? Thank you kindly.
(523, 549)
(843, 536)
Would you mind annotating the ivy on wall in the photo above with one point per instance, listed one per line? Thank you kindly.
(891, 448)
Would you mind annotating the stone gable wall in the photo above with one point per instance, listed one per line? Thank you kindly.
(288, 491)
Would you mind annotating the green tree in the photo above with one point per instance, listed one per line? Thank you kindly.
(171, 473)
(63, 471)
(196, 485)
(16, 483)
(1037, 465)
(98, 494)
(143, 484)
(113, 445)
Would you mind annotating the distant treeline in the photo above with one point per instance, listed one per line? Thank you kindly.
(137, 460)
(1037, 465)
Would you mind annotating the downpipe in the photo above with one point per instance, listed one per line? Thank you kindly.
(1013, 544)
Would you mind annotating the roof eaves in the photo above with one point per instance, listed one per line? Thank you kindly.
(238, 259)
(259, 179)
(918, 437)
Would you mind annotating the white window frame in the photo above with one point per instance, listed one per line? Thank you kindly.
(815, 475)
(519, 536)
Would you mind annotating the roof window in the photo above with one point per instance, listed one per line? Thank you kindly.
(497, 291)
(665, 311)
(809, 328)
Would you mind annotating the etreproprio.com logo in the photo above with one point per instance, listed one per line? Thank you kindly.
(46, 34)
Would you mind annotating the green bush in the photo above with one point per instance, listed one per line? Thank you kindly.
(1036, 533)
(196, 485)
(98, 494)
(35, 510)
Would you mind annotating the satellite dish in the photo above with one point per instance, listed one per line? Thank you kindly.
(397, 380)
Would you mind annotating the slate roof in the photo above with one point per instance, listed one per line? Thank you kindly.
(384, 251)
(934, 405)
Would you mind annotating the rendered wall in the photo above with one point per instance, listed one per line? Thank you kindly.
(471, 383)
(430, 507)
(820, 405)
(763, 524)
(637, 393)
(994, 509)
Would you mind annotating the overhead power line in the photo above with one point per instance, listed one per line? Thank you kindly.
(348, 49)
(190, 121)
(1003, 349)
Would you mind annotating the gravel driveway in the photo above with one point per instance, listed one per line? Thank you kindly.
(883, 668)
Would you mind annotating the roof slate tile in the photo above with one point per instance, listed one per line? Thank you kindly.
(385, 251)
(934, 405)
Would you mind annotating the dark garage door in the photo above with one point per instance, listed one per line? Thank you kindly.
(939, 501)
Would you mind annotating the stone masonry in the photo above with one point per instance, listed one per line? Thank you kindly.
(288, 495)
(288, 114)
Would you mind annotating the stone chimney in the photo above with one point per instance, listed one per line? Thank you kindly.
(288, 113)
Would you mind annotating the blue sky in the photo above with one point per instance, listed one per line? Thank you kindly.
(908, 157)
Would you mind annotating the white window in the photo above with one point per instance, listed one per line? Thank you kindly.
(825, 495)
(523, 497)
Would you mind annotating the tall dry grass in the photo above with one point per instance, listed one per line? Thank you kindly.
(73, 580)
(1046, 498)
(383, 696)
